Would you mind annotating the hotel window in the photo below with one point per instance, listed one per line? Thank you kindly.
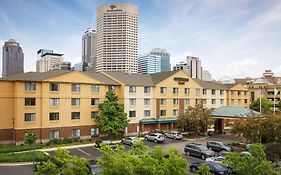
(146, 89)
(95, 88)
(54, 116)
(213, 92)
(132, 113)
(222, 101)
(175, 112)
(213, 101)
(75, 115)
(187, 101)
(94, 114)
(186, 90)
(29, 117)
(132, 89)
(75, 133)
(132, 101)
(75, 87)
(175, 90)
(111, 88)
(204, 101)
(54, 101)
(239, 101)
(75, 101)
(197, 101)
(30, 86)
(162, 112)
(204, 92)
(197, 92)
(245, 92)
(162, 101)
(163, 90)
(30, 101)
(146, 101)
(54, 135)
(175, 101)
(147, 113)
(239, 93)
(221, 92)
(94, 132)
(232, 92)
(54, 87)
(232, 101)
(245, 101)
(94, 101)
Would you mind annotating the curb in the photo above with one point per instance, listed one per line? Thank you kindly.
(201, 138)
(16, 164)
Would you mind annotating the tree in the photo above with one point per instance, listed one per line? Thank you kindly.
(195, 120)
(259, 129)
(265, 105)
(141, 161)
(256, 164)
(63, 163)
(112, 119)
(30, 138)
(204, 170)
(273, 151)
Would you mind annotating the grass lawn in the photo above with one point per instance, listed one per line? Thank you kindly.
(23, 157)
(10, 149)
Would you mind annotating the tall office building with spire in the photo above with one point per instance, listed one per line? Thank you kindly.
(13, 58)
(89, 48)
(117, 37)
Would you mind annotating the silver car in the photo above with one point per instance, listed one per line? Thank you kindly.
(174, 135)
(155, 137)
(129, 141)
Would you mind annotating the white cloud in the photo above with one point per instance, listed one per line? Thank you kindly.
(180, 57)
(277, 70)
(240, 68)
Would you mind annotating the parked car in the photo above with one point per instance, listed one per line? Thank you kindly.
(105, 142)
(215, 159)
(157, 131)
(174, 135)
(245, 153)
(129, 141)
(155, 137)
(95, 169)
(198, 150)
(219, 146)
(215, 168)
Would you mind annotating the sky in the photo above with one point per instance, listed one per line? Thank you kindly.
(233, 38)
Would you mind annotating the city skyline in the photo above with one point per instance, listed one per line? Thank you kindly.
(237, 38)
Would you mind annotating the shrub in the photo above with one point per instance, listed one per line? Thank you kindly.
(273, 151)
(23, 157)
(9, 149)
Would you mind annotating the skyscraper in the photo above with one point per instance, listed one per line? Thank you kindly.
(13, 58)
(117, 37)
(89, 47)
(165, 58)
(195, 68)
(149, 64)
(47, 59)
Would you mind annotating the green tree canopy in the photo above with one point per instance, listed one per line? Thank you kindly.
(265, 105)
(112, 118)
(195, 120)
(141, 161)
(30, 138)
(256, 164)
(259, 130)
(63, 164)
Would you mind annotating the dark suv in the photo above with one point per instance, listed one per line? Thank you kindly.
(198, 150)
(219, 146)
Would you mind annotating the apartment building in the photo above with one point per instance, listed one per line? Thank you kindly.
(60, 104)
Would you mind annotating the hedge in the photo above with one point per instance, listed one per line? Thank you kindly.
(23, 157)
(10, 149)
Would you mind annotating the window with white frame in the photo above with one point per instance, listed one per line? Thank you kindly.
(54, 135)
(213, 92)
(187, 101)
(163, 90)
(75, 87)
(162, 101)
(132, 89)
(221, 92)
(30, 86)
(147, 113)
(54, 116)
(54, 101)
(146, 89)
(95, 101)
(29, 117)
(222, 101)
(75, 101)
(94, 132)
(112, 88)
(30, 101)
(204, 91)
(54, 86)
(75, 115)
(94, 114)
(204, 101)
(175, 90)
(75, 133)
(197, 101)
(213, 101)
(186, 90)
(147, 101)
(175, 101)
(132, 101)
(197, 92)
(162, 112)
(132, 113)
(95, 88)
(175, 112)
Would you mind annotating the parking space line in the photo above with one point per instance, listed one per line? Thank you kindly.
(84, 152)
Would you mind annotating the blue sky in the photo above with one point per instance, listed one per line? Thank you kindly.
(235, 38)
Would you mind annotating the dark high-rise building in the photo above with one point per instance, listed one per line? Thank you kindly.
(12, 58)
